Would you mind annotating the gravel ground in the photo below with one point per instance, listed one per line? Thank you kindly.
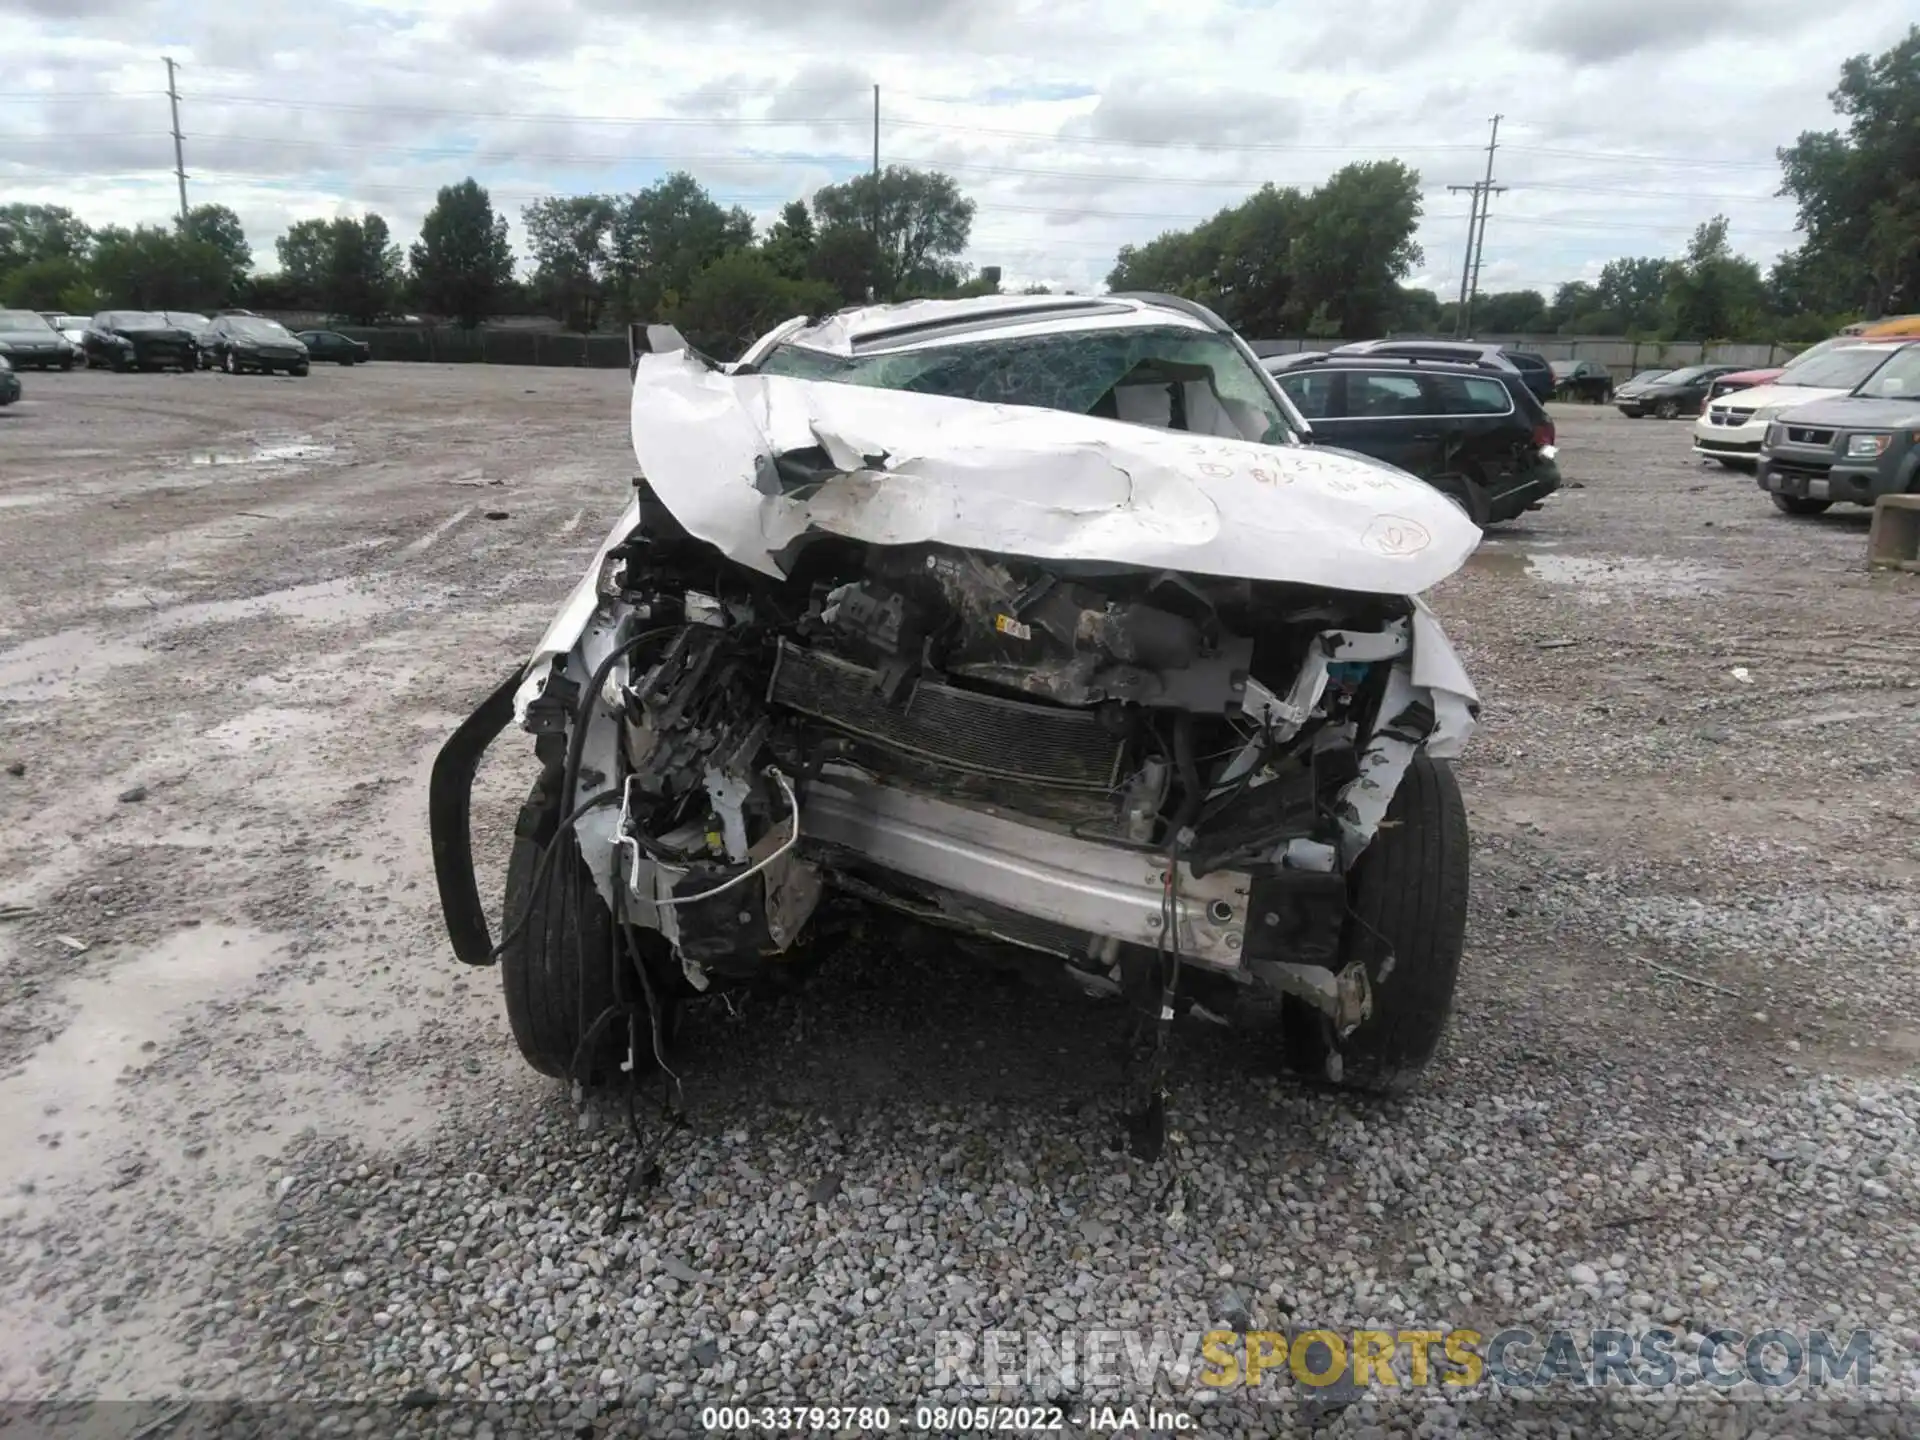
(269, 1144)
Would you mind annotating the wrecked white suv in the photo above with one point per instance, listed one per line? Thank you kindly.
(1041, 619)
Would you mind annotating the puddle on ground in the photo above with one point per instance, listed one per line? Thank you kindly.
(287, 452)
(1603, 576)
(69, 1086)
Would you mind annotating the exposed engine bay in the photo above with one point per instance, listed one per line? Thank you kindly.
(1074, 759)
(777, 692)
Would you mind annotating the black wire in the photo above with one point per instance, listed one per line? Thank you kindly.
(577, 739)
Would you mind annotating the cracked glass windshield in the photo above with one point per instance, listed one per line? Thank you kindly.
(1165, 376)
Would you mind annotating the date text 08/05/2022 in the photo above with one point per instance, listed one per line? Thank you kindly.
(938, 1419)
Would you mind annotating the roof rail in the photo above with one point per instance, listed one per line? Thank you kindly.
(1177, 302)
(1363, 357)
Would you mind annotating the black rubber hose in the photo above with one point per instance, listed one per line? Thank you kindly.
(577, 739)
(1192, 797)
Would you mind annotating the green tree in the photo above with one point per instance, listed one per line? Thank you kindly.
(1635, 290)
(1280, 262)
(1356, 243)
(1177, 262)
(1415, 310)
(364, 271)
(1813, 284)
(218, 226)
(1510, 312)
(848, 260)
(1576, 297)
(1858, 193)
(663, 237)
(40, 232)
(58, 282)
(1713, 294)
(919, 220)
(790, 241)
(462, 259)
(306, 259)
(572, 263)
(739, 296)
(1253, 279)
(151, 268)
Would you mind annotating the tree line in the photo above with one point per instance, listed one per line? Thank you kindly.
(668, 252)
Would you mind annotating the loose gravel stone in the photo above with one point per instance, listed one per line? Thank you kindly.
(1678, 1090)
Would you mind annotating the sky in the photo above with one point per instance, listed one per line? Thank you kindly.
(1077, 127)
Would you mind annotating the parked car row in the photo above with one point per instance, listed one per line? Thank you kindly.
(233, 341)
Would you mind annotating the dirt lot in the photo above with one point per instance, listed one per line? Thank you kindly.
(265, 1138)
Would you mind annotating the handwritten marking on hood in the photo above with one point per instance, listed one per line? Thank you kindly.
(1395, 536)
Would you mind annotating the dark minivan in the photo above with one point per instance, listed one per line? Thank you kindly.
(1474, 432)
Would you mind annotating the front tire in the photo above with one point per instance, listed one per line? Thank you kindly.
(1408, 926)
(299, 369)
(1795, 505)
(228, 364)
(557, 972)
(1668, 410)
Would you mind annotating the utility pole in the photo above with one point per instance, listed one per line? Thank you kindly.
(179, 155)
(1483, 192)
(1466, 258)
(876, 185)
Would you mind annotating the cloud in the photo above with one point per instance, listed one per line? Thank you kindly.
(1077, 126)
(826, 88)
(512, 29)
(1156, 111)
(1601, 34)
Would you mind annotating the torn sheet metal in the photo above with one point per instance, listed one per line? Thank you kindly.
(904, 468)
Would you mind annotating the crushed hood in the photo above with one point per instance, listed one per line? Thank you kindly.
(750, 463)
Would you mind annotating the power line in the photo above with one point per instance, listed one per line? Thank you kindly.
(1049, 137)
(761, 158)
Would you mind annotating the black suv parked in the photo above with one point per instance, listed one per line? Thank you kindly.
(1852, 450)
(1473, 432)
(1532, 368)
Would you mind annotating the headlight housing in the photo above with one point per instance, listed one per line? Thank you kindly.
(1867, 447)
(1771, 412)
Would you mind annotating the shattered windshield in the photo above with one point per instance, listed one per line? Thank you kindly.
(1165, 376)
